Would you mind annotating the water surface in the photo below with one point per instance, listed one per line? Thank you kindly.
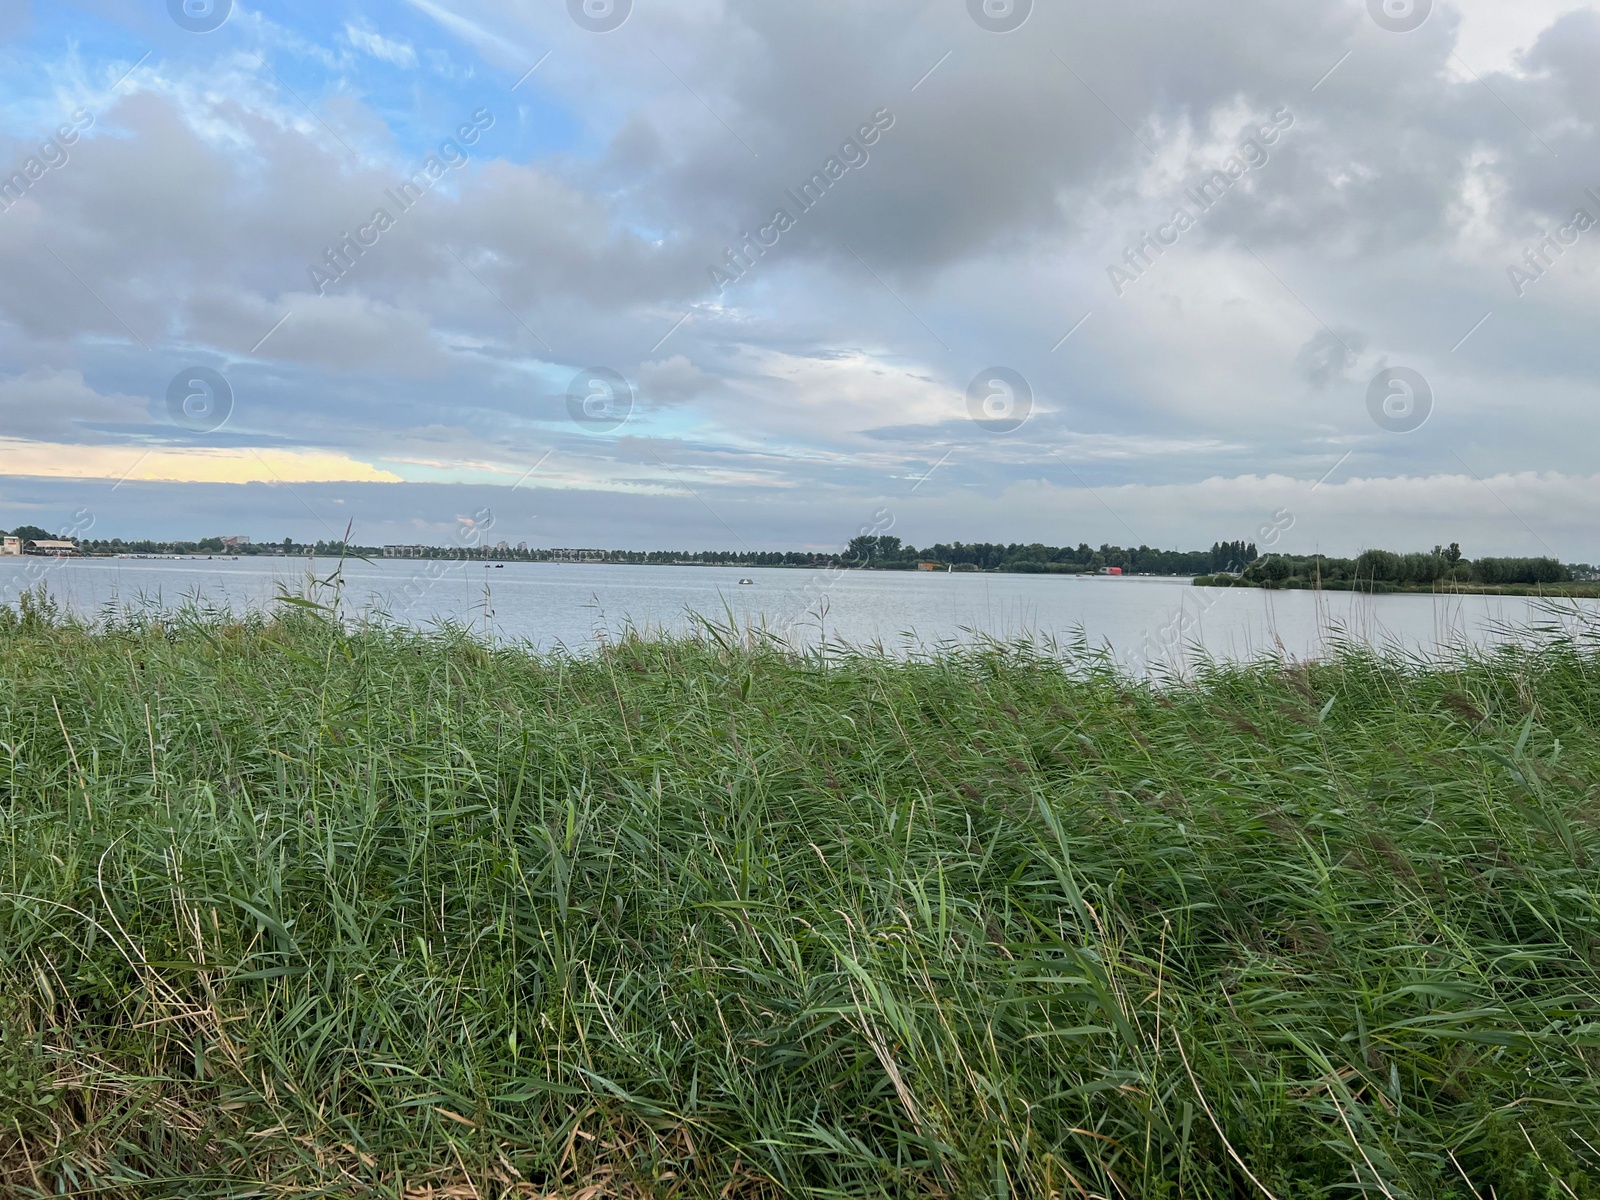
(549, 604)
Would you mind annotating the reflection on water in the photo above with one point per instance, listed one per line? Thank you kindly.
(550, 604)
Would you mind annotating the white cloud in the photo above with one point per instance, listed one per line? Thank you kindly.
(390, 50)
(1494, 34)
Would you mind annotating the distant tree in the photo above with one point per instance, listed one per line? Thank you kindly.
(1382, 565)
(860, 550)
(1520, 570)
(1423, 568)
(32, 533)
(1231, 556)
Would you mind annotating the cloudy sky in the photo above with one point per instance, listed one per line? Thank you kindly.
(1158, 272)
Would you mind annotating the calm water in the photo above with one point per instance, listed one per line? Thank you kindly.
(550, 604)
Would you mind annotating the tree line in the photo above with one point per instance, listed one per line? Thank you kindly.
(888, 552)
(1226, 562)
(1385, 570)
(878, 552)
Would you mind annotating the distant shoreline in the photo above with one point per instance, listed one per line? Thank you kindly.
(1555, 591)
(822, 564)
(1558, 591)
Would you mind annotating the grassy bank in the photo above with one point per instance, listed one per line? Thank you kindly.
(287, 909)
(1544, 591)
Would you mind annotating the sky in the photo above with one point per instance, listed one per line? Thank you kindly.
(703, 274)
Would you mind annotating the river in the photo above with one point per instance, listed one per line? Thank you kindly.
(1142, 619)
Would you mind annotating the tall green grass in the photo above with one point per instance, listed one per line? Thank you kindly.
(294, 908)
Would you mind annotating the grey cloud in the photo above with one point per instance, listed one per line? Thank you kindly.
(342, 333)
(1328, 356)
(58, 406)
(675, 380)
(181, 239)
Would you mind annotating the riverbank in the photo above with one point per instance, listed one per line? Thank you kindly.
(1381, 587)
(286, 906)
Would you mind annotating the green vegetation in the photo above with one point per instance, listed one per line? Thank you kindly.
(889, 553)
(870, 551)
(1226, 564)
(294, 908)
(1442, 569)
(29, 533)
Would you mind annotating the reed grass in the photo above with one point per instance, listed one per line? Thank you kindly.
(290, 907)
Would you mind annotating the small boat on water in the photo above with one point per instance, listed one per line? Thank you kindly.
(747, 581)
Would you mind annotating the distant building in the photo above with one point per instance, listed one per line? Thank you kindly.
(577, 556)
(11, 547)
(52, 547)
(405, 551)
(233, 543)
(928, 566)
(522, 547)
